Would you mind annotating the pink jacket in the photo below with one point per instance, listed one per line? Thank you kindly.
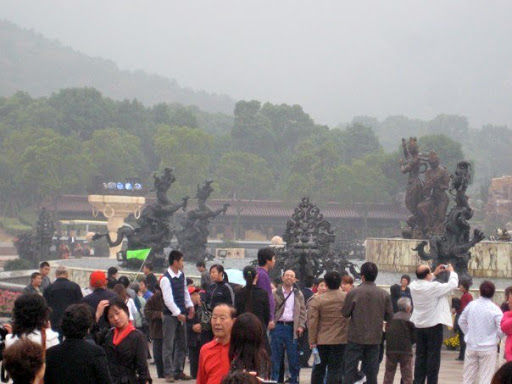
(506, 327)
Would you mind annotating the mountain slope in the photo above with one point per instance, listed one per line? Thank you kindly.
(30, 62)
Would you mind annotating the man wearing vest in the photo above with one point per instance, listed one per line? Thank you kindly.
(178, 306)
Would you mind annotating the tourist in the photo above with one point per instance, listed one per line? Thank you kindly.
(111, 277)
(504, 306)
(139, 320)
(60, 295)
(177, 305)
(480, 322)
(398, 291)
(431, 312)
(44, 270)
(503, 375)
(126, 283)
(36, 280)
(30, 320)
(154, 314)
(151, 279)
(304, 349)
(144, 290)
(24, 362)
(75, 360)
(290, 315)
(465, 299)
(266, 261)
(400, 337)
(120, 290)
(194, 332)
(328, 330)
(347, 283)
(126, 348)
(253, 299)
(206, 280)
(214, 361)
(365, 327)
(247, 346)
(322, 287)
(63, 251)
(97, 282)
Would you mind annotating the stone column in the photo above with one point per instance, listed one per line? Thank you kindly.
(116, 209)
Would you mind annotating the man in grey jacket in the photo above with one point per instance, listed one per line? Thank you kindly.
(368, 307)
(290, 317)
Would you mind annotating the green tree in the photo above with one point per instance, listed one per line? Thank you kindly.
(244, 176)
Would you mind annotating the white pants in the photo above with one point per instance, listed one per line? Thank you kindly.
(479, 366)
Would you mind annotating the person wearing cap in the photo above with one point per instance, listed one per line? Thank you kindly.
(98, 282)
(194, 332)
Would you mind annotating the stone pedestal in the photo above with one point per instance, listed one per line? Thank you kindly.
(116, 209)
(488, 258)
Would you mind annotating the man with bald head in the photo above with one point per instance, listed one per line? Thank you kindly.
(431, 311)
(290, 317)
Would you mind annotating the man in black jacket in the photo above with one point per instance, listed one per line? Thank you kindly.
(98, 282)
(59, 295)
(76, 360)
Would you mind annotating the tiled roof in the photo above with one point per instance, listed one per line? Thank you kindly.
(251, 208)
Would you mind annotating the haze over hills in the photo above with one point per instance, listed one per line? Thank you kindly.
(34, 64)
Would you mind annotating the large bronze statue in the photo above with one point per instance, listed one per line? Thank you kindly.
(193, 236)
(453, 245)
(155, 230)
(435, 198)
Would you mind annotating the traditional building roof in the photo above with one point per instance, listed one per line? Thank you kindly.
(77, 206)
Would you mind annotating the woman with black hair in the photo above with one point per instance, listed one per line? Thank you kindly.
(126, 348)
(252, 298)
(246, 349)
(30, 320)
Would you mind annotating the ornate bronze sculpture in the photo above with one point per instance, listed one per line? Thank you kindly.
(453, 245)
(155, 230)
(308, 239)
(193, 236)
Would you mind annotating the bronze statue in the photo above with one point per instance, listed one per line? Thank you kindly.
(453, 245)
(433, 207)
(193, 236)
(414, 165)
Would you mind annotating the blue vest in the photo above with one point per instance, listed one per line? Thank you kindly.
(178, 292)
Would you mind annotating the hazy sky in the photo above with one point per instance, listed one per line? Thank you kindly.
(337, 59)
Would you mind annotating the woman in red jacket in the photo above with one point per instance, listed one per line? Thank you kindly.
(506, 327)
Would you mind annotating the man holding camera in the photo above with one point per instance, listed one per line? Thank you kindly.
(431, 311)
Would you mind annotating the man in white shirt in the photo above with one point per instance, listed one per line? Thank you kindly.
(431, 311)
(480, 321)
(177, 305)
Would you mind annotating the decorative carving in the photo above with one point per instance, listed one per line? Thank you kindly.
(308, 239)
(454, 244)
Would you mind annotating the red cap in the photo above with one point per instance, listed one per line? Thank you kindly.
(98, 279)
(193, 289)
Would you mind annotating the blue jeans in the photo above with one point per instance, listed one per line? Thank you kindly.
(282, 338)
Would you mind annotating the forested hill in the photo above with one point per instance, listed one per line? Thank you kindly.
(29, 62)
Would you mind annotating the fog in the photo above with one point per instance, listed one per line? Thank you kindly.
(336, 59)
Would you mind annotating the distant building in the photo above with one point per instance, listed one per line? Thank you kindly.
(262, 219)
(498, 211)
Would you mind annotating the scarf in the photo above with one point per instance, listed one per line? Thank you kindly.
(120, 336)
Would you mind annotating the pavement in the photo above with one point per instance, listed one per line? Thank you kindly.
(450, 372)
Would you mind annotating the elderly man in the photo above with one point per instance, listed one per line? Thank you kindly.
(431, 311)
(328, 330)
(290, 316)
(60, 295)
(214, 361)
(480, 322)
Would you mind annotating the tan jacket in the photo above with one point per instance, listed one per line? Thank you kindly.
(326, 324)
(299, 308)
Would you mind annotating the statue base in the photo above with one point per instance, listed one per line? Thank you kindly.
(488, 258)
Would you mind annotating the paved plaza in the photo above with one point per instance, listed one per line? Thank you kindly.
(451, 371)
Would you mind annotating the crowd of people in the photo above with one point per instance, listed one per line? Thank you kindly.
(263, 331)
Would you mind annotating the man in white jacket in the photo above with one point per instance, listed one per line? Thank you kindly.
(480, 321)
(431, 311)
